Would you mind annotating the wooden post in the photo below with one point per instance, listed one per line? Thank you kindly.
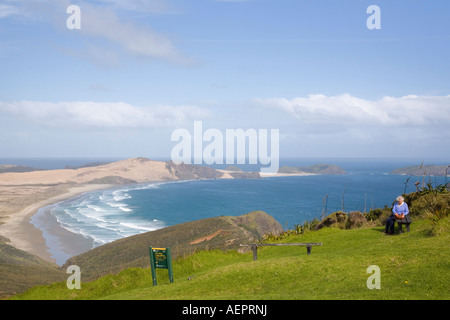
(152, 266)
(254, 247)
(255, 251)
(169, 265)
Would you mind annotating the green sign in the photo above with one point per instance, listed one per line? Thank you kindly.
(162, 259)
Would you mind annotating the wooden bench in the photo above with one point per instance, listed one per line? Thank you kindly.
(405, 221)
(255, 246)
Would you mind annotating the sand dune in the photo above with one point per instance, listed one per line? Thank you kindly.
(23, 193)
(19, 203)
(136, 169)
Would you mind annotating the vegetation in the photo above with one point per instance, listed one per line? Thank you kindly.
(414, 265)
(233, 168)
(431, 170)
(297, 230)
(184, 239)
(431, 202)
(20, 270)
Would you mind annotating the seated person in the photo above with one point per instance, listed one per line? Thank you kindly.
(399, 211)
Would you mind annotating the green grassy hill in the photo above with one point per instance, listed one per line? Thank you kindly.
(20, 270)
(223, 232)
(413, 265)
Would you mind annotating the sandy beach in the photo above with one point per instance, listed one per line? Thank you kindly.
(27, 200)
(22, 195)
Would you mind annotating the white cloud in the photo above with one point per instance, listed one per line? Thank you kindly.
(137, 40)
(8, 10)
(104, 22)
(411, 110)
(87, 114)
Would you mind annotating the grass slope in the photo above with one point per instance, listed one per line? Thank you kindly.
(413, 265)
(20, 270)
(223, 233)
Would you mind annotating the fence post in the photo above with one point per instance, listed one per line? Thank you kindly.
(255, 251)
(169, 264)
(152, 266)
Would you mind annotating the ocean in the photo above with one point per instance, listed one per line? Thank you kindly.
(107, 215)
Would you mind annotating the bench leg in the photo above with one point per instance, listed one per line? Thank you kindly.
(308, 249)
(255, 252)
(407, 227)
(400, 227)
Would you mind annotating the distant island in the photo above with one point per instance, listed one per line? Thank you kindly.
(314, 169)
(429, 170)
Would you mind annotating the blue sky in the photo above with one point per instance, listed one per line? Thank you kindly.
(137, 70)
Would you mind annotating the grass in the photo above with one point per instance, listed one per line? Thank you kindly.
(413, 265)
(20, 270)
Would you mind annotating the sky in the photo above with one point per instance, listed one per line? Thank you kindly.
(137, 70)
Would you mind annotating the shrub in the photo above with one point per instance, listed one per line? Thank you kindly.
(433, 203)
(373, 214)
(441, 227)
(355, 219)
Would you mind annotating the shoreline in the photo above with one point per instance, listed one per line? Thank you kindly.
(61, 243)
(24, 235)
